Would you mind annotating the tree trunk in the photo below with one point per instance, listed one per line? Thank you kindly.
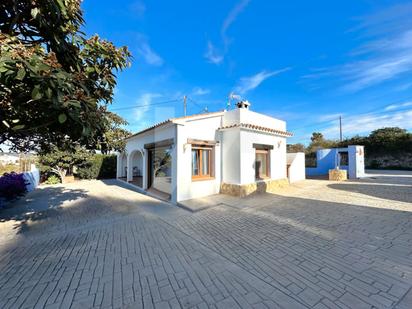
(61, 173)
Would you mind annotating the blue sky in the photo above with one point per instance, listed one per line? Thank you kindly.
(306, 62)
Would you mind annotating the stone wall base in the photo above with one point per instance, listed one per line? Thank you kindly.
(338, 175)
(269, 186)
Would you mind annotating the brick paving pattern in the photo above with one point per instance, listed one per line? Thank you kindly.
(110, 247)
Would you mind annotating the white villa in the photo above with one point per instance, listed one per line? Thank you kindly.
(235, 152)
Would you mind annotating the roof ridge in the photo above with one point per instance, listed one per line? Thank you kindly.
(171, 120)
(257, 127)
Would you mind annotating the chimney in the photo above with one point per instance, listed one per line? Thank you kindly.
(243, 104)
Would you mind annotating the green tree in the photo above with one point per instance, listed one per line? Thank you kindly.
(61, 162)
(318, 141)
(115, 135)
(388, 137)
(317, 137)
(291, 148)
(55, 84)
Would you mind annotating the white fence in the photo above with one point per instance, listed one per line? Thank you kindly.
(32, 178)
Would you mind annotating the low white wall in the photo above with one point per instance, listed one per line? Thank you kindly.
(296, 166)
(32, 178)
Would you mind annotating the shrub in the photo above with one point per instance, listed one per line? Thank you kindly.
(375, 164)
(99, 166)
(52, 180)
(8, 168)
(12, 186)
(61, 162)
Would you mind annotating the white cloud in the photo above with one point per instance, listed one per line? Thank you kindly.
(247, 84)
(364, 74)
(395, 18)
(144, 102)
(385, 56)
(212, 54)
(200, 91)
(231, 18)
(364, 124)
(397, 106)
(147, 53)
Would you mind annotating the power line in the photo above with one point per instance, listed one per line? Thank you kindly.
(203, 109)
(372, 113)
(382, 113)
(144, 105)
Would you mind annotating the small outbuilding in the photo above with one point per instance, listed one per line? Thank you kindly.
(235, 152)
(350, 158)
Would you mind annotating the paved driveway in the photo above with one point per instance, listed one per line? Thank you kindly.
(316, 244)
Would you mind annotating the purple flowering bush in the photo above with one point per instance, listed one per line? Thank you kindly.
(12, 186)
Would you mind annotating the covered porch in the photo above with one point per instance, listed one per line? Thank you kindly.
(149, 168)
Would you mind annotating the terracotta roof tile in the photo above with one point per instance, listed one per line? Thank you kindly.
(257, 128)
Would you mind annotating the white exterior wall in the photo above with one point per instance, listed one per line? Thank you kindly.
(296, 163)
(203, 129)
(231, 156)
(242, 115)
(152, 136)
(234, 154)
(248, 155)
(356, 161)
(137, 143)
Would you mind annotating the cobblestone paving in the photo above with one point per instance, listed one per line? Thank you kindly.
(322, 253)
(110, 247)
(138, 262)
(128, 259)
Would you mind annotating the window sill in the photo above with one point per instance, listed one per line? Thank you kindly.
(203, 178)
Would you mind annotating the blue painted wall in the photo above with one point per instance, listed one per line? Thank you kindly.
(328, 159)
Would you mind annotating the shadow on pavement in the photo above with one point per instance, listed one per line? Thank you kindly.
(280, 230)
(394, 192)
(57, 208)
(42, 199)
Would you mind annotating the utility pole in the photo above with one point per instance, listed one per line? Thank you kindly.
(184, 105)
(340, 127)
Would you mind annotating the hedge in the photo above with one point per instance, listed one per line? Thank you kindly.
(99, 166)
(12, 186)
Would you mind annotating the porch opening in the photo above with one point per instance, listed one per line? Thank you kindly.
(137, 168)
(123, 166)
